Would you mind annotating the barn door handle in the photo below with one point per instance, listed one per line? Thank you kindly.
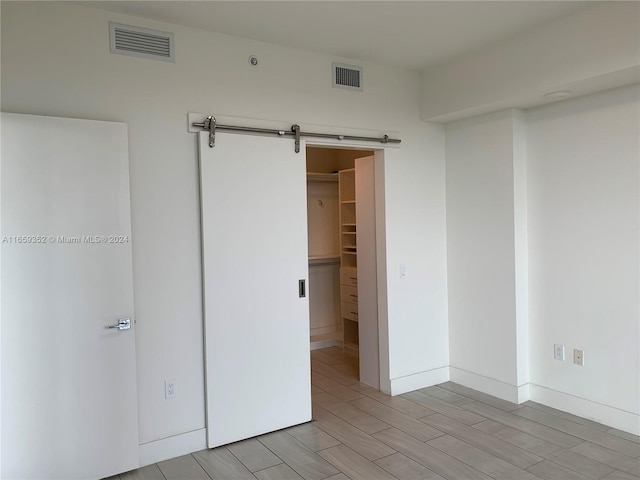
(302, 288)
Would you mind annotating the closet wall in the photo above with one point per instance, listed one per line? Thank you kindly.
(323, 222)
(331, 160)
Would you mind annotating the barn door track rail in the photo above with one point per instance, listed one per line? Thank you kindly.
(211, 126)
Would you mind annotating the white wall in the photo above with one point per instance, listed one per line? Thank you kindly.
(417, 307)
(543, 212)
(584, 240)
(585, 52)
(56, 61)
(485, 324)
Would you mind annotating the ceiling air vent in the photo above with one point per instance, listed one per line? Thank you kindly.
(347, 76)
(141, 42)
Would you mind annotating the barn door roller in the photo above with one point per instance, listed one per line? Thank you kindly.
(211, 125)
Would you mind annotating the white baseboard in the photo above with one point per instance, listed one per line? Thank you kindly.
(324, 344)
(171, 447)
(491, 386)
(419, 380)
(611, 416)
(327, 329)
(524, 393)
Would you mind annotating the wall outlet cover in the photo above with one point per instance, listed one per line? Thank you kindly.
(578, 357)
(170, 388)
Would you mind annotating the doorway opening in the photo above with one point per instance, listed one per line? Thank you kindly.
(343, 294)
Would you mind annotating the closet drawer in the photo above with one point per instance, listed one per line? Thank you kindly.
(349, 311)
(349, 276)
(349, 294)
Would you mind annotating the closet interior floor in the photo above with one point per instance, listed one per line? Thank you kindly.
(446, 431)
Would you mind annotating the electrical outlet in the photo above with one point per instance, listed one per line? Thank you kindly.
(170, 389)
(558, 352)
(578, 356)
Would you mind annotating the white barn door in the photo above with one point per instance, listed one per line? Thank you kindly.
(69, 399)
(254, 238)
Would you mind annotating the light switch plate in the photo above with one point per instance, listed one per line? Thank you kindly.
(558, 352)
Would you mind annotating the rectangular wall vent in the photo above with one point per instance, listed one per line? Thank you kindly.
(141, 42)
(347, 76)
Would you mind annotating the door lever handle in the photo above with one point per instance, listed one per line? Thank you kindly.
(123, 324)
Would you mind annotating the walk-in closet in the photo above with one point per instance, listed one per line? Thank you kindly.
(342, 255)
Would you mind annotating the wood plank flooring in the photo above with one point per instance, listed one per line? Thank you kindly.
(442, 432)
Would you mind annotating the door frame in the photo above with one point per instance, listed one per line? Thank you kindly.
(381, 154)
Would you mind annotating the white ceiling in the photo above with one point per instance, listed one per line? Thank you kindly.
(411, 34)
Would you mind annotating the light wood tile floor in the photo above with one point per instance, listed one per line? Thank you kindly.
(442, 432)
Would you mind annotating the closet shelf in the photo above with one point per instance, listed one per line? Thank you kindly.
(328, 259)
(348, 201)
(322, 177)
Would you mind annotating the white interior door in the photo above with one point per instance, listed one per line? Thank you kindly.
(69, 400)
(254, 234)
